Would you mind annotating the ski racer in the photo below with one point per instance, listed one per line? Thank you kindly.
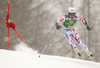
(68, 21)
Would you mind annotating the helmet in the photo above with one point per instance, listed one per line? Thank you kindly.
(71, 10)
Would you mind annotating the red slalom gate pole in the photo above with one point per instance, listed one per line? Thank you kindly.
(8, 39)
(19, 36)
(8, 36)
(8, 7)
(8, 33)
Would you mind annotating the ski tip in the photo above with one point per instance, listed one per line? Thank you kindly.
(39, 56)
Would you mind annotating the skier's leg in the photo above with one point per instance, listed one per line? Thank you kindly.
(84, 47)
(67, 35)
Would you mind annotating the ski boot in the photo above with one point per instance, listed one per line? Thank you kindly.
(90, 55)
(77, 52)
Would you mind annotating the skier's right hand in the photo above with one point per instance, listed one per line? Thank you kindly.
(88, 28)
(58, 27)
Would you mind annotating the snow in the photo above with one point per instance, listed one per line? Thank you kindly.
(28, 58)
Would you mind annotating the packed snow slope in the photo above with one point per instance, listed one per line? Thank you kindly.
(28, 58)
(15, 59)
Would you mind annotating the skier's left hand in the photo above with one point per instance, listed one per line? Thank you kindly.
(88, 28)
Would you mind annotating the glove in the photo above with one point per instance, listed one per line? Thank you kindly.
(58, 27)
(88, 27)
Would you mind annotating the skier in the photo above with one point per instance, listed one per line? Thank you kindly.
(69, 21)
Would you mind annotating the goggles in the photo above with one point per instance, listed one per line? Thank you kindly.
(71, 13)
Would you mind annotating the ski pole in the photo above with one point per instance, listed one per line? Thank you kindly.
(48, 43)
(80, 28)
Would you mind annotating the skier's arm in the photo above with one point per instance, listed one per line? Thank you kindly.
(59, 22)
(84, 22)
